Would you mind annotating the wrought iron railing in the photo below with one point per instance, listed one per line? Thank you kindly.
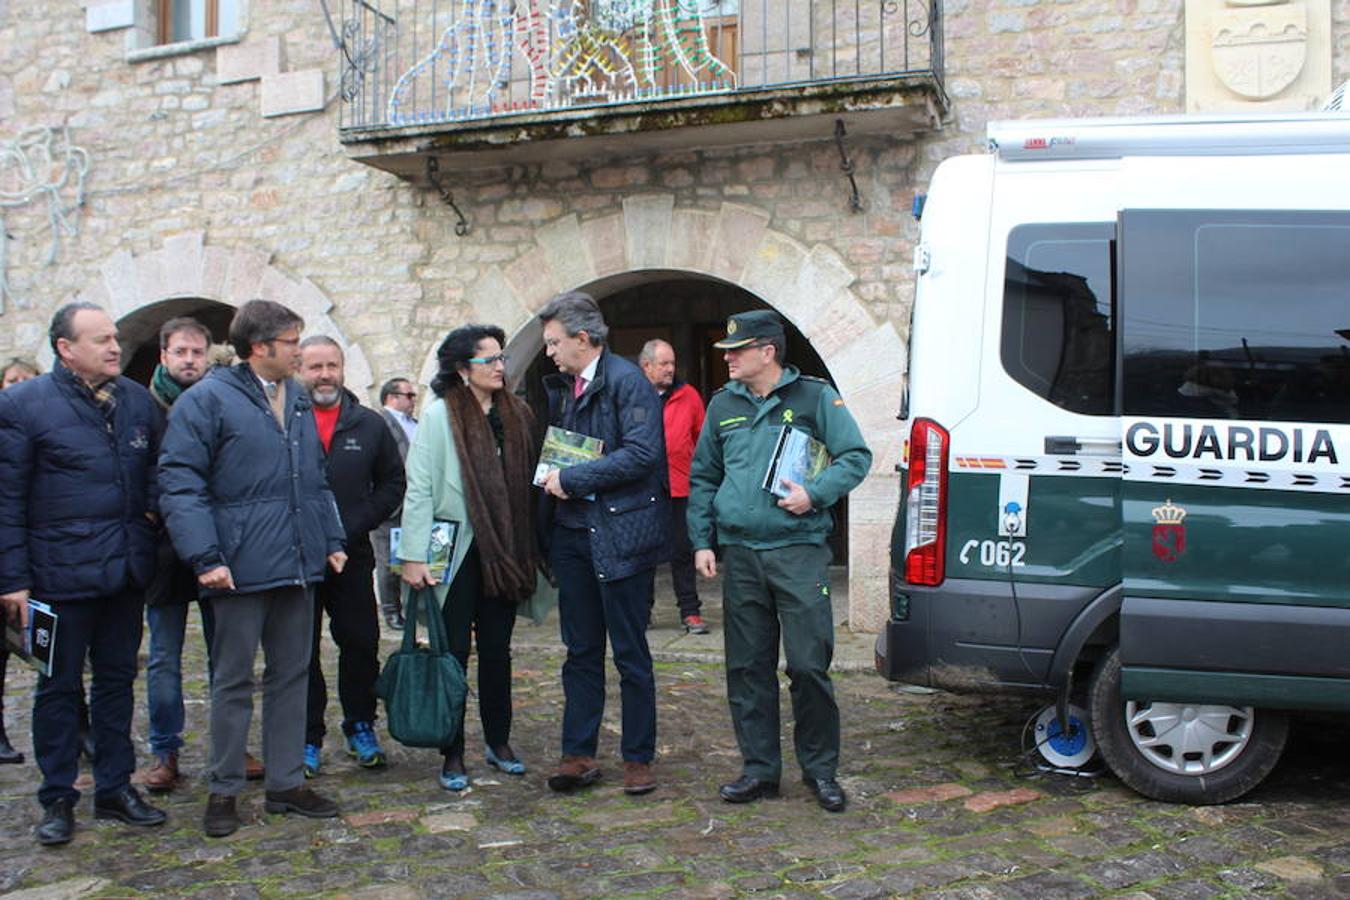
(426, 62)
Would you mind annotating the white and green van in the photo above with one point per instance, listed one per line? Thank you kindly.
(1127, 471)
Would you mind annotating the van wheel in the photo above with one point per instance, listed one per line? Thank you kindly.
(1181, 752)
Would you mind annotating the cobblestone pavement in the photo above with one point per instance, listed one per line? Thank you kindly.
(940, 808)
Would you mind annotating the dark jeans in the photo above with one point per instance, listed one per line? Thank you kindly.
(164, 671)
(349, 599)
(682, 559)
(488, 622)
(588, 608)
(108, 631)
(763, 590)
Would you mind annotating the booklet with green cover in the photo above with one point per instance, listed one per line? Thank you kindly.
(563, 448)
(797, 457)
(441, 551)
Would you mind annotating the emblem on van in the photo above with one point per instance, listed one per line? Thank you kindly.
(1169, 531)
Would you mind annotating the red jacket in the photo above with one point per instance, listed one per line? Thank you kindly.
(683, 413)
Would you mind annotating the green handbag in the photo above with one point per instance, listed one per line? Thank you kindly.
(423, 687)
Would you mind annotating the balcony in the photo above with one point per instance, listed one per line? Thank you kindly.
(488, 82)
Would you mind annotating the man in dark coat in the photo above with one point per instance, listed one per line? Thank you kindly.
(248, 507)
(77, 532)
(607, 531)
(365, 471)
(397, 400)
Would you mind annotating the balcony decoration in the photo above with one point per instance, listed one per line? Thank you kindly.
(576, 52)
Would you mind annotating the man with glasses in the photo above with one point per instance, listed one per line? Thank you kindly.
(248, 507)
(397, 399)
(776, 577)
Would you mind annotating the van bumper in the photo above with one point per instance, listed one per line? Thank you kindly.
(970, 635)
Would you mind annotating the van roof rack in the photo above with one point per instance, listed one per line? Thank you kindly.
(1112, 138)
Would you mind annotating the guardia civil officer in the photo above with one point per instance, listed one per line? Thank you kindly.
(774, 552)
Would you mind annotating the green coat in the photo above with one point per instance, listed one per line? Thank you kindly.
(734, 451)
(435, 491)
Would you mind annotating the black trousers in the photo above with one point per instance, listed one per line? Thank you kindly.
(349, 599)
(682, 559)
(473, 618)
(108, 631)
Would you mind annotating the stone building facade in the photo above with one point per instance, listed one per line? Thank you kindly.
(213, 173)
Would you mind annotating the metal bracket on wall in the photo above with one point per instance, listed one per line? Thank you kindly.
(846, 166)
(434, 176)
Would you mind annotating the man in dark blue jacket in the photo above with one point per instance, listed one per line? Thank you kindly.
(608, 530)
(77, 513)
(248, 507)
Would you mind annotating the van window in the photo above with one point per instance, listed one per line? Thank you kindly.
(1057, 331)
(1239, 315)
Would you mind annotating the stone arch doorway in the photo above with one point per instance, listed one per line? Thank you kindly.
(689, 312)
(140, 292)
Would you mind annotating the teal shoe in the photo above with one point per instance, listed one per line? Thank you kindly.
(453, 781)
(510, 766)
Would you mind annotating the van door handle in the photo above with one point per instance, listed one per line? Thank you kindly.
(1069, 445)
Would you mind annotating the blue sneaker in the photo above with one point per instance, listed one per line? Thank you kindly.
(508, 764)
(365, 746)
(313, 753)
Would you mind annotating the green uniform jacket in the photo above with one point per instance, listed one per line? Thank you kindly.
(735, 448)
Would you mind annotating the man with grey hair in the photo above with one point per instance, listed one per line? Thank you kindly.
(682, 415)
(365, 472)
(249, 509)
(77, 531)
(607, 528)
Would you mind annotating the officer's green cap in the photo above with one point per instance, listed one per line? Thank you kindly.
(755, 326)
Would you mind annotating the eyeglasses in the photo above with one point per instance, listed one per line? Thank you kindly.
(489, 360)
(291, 341)
(410, 395)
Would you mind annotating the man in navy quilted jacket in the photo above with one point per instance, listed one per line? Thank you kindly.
(606, 531)
(77, 532)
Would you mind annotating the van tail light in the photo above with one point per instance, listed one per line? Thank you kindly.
(926, 511)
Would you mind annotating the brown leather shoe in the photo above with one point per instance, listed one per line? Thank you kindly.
(302, 801)
(161, 776)
(221, 819)
(253, 768)
(574, 772)
(637, 778)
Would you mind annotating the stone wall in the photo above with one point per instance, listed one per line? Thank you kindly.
(178, 159)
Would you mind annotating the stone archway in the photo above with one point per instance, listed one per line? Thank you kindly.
(809, 286)
(185, 267)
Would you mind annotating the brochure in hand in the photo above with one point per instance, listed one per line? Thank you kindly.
(797, 457)
(444, 533)
(563, 448)
(34, 646)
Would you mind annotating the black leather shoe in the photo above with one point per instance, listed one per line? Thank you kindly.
(58, 823)
(8, 755)
(127, 806)
(828, 793)
(394, 620)
(747, 789)
(221, 819)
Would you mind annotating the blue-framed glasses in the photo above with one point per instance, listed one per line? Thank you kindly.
(489, 360)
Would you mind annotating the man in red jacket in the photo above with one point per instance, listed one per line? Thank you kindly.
(683, 412)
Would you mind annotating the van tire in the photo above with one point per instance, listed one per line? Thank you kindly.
(1266, 737)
